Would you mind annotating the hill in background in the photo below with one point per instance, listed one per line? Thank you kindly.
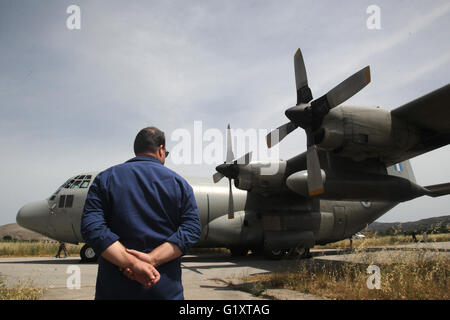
(438, 224)
(14, 231)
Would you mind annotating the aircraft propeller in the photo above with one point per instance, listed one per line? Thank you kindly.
(309, 115)
(230, 169)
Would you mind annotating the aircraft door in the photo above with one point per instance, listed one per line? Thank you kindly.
(75, 214)
(59, 221)
(340, 222)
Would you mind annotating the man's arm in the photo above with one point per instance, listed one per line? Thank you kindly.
(189, 229)
(117, 255)
(144, 272)
(160, 255)
(94, 228)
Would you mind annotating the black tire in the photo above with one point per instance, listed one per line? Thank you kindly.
(88, 254)
(300, 252)
(274, 254)
(238, 252)
(307, 254)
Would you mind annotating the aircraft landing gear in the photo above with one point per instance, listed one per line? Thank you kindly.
(273, 254)
(276, 254)
(238, 252)
(88, 254)
(300, 252)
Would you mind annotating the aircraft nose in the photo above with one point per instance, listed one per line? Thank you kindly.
(34, 216)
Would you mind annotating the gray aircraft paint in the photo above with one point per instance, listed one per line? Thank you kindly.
(212, 202)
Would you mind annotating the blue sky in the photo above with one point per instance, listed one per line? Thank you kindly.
(73, 100)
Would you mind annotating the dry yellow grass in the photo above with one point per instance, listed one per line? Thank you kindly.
(21, 291)
(412, 279)
(35, 249)
(374, 241)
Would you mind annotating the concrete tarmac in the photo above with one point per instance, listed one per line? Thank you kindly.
(205, 277)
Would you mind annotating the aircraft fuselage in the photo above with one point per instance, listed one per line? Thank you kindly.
(59, 216)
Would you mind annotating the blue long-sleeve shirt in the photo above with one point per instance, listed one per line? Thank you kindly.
(142, 204)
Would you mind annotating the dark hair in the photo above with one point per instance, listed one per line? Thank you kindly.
(148, 140)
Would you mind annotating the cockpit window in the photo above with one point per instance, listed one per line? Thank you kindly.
(68, 184)
(81, 181)
(75, 184)
(84, 184)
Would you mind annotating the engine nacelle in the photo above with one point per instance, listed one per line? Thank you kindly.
(262, 177)
(362, 132)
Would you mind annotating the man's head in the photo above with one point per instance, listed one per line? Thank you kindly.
(150, 141)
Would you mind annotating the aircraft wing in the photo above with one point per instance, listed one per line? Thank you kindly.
(431, 115)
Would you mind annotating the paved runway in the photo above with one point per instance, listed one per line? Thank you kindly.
(205, 277)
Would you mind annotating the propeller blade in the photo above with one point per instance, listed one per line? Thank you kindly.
(349, 87)
(315, 182)
(230, 168)
(230, 155)
(217, 177)
(275, 136)
(245, 159)
(304, 94)
(230, 202)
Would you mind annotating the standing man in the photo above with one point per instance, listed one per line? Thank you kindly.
(413, 234)
(140, 215)
(62, 247)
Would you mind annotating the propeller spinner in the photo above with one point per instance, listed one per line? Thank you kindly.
(230, 169)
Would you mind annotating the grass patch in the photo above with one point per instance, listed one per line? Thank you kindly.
(35, 249)
(49, 249)
(375, 241)
(21, 291)
(418, 279)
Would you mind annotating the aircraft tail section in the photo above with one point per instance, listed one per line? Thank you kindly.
(438, 190)
(403, 170)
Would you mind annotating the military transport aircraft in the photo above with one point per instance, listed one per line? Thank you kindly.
(354, 170)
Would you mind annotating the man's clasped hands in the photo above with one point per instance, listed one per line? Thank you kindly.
(141, 269)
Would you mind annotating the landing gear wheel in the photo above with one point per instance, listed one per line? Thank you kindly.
(238, 252)
(258, 251)
(300, 252)
(306, 254)
(274, 254)
(88, 254)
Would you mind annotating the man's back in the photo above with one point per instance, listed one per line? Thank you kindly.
(143, 204)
